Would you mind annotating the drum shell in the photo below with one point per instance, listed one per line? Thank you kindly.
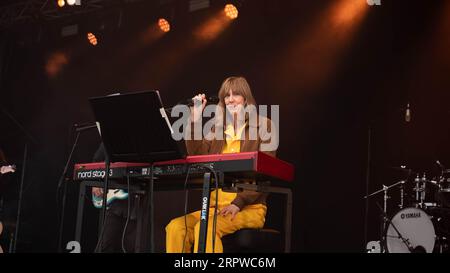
(415, 226)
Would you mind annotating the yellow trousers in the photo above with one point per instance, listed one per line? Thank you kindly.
(252, 216)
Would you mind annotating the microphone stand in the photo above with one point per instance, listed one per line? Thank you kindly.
(366, 207)
(63, 179)
(31, 139)
(19, 204)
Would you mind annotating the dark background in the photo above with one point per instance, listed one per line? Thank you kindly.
(336, 82)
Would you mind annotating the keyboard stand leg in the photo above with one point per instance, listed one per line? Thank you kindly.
(81, 197)
(138, 239)
(204, 215)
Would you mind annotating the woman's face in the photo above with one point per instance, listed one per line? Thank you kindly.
(234, 100)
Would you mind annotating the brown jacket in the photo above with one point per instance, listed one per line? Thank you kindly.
(204, 147)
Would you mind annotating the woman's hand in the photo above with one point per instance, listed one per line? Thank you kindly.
(230, 209)
(199, 105)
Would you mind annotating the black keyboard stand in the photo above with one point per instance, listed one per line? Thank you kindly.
(205, 202)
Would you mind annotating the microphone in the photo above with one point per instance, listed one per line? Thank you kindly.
(407, 114)
(209, 99)
(190, 102)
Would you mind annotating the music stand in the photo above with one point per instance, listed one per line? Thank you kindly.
(134, 127)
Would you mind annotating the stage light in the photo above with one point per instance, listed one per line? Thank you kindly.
(92, 39)
(164, 25)
(70, 2)
(231, 11)
(61, 3)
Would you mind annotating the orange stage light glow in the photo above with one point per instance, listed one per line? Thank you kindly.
(164, 25)
(231, 11)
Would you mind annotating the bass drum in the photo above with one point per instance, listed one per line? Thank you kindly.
(416, 229)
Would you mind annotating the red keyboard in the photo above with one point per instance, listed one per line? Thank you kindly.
(255, 165)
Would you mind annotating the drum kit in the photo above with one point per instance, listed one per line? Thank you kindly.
(421, 224)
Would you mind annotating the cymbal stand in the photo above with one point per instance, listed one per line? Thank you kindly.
(384, 210)
(402, 195)
(419, 189)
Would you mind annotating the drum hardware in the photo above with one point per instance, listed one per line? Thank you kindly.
(402, 195)
(422, 199)
(385, 190)
(423, 192)
(385, 219)
(440, 218)
(443, 193)
(419, 189)
(373, 247)
(444, 181)
(443, 244)
(441, 167)
(444, 178)
(422, 223)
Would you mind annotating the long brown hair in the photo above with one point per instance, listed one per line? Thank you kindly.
(240, 86)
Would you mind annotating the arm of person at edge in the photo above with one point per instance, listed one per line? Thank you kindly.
(4, 166)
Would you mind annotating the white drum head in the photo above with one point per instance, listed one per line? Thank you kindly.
(415, 226)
